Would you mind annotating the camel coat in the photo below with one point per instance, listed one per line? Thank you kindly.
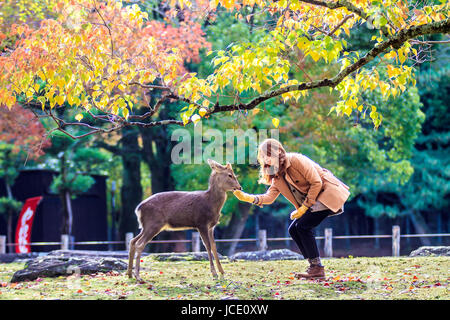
(309, 178)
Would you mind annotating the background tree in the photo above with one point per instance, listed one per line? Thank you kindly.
(21, 141)
(76, 163)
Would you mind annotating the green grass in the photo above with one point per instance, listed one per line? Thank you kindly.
(347, 278)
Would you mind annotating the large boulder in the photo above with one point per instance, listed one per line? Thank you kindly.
(431, 251)
(55, 265)
(265, 255)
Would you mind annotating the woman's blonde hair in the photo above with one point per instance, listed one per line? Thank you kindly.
(266, 173)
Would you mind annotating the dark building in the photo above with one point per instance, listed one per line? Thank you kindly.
(89, 210)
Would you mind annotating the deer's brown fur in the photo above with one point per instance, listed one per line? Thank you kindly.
(180, 210)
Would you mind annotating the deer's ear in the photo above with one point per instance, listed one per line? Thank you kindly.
(215, 165)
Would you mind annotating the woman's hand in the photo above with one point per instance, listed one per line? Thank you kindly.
(299, 212)
(244, 196)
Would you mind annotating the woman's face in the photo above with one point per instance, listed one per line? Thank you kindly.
(271, 160)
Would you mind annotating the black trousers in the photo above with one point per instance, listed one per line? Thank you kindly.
(302, 231)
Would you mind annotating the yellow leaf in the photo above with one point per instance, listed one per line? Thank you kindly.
(59, 100)
(255, 111)
(205, 103)
(125, 113)
(202, 111)
(195, 118)
(78, 117)
(10, 101)
(314, 55)
(70, 99)
(401, 56)
(276, 122)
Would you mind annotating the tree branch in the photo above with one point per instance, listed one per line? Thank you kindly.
(401, 37)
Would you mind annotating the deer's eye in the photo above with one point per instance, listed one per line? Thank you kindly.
(230, 175)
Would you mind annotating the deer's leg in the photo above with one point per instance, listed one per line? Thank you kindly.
(214, 249)
(131, 253)
(206, 241)
(147, 236)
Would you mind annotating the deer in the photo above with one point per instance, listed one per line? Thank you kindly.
(182, 210)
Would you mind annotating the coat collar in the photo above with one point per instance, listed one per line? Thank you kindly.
(288, 160)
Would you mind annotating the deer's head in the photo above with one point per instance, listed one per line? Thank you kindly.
(224, 176)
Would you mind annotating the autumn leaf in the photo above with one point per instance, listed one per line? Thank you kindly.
(275, 122)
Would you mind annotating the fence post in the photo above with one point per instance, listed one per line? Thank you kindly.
(262, 240)
(396, 241)
(65, 242)
(328, 247)
(128, 237)
(195, 241)
(2, 244)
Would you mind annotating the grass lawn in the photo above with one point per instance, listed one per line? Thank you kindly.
(347, 278)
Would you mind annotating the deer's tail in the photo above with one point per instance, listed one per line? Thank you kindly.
(138, 214)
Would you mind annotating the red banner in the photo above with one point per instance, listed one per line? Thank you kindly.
(24, 224)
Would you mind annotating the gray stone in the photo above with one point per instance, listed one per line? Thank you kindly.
(182, 256)
(91, 254)
(266, 255)
(431, 251)
(59, 265)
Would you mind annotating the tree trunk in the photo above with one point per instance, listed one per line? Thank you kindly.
(376, 227)
(131, 190)
(9, 231)
(67, 214)
(236, 225)
(157, 148)
(420, 226)
(439, 227)
(68, 217)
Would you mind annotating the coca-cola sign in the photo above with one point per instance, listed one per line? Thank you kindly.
(24, 224)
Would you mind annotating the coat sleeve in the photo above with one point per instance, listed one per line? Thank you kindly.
(306, 167)
(269, 197)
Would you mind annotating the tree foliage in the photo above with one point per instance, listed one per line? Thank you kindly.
(98, 57)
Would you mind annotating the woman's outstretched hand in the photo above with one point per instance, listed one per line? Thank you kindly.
(244, 196)
(299, 212)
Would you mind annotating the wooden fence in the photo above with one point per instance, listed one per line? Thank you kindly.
(261, 240)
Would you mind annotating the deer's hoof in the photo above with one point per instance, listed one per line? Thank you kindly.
(138, 278)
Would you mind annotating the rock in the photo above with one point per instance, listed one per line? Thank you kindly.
(59, 265)
(431, 251)
(183, 256)
(91, 253)
(266, 255)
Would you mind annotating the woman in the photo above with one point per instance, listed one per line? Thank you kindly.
(314, 191)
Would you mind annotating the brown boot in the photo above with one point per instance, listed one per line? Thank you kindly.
(313, 272)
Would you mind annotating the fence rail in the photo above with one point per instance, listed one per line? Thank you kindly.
(261, 241)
